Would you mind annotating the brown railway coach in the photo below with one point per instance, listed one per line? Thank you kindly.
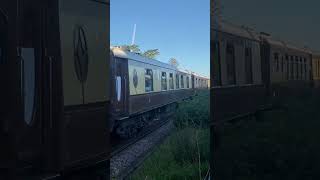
(143, 89)
(54, 99)
(288, 68)
(316, 69)
(238, 87)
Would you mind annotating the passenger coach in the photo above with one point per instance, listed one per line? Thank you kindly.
(55, 93)
(316, 69)
(251, 70)
(145, 89)
(238, 86)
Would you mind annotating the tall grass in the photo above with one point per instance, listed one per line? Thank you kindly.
(194, 113)
(185, 154)
(282, 145)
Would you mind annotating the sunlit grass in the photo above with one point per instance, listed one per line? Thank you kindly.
(185, 153)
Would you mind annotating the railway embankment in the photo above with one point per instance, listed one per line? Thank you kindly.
(281, 144)
(185, 153)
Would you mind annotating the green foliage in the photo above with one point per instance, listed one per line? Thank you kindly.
(152, 53)
(177, 157)
(284, 144)
(174, 62)
(185, 153)
(194, 113)
(133, 48)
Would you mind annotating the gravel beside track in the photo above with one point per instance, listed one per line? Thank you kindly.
(126, 161)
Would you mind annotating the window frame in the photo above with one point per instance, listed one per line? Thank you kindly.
(151, 80)
(182, 81)
(291, 68)
(188, 84)
(230, 64)
(164, 80)
(177, 81)
(216, 63)
(248, 65)
(171, 83)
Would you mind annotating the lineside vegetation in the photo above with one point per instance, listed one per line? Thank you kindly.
(281, 144)
(185, 153)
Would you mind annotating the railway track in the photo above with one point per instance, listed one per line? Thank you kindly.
(127, 152)
(127, 143)
(140, 160)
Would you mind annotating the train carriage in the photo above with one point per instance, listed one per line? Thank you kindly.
(288, 66)
(56, 88)
(237, 71)
(316, 69)
(143, 89)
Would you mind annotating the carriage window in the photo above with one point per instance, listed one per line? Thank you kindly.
(318, 67)
(248, 65)
(305, 68)
(177, 81)
(301, 70)
(282, 64)
(182, 82)
(28, 44)
(297, 67)
(171, 85)
(291, 69)
(276, 62)
(230, 60)
(118, 87)
(216, 64)
(148, 75)
(287, 61)
(164, 81)
(187, 81)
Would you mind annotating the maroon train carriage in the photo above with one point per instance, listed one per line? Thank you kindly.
(200, 82)
(316, 69)
(287, 68)
(238, 87)
(251, 70)
(144, 90)
(54, 93)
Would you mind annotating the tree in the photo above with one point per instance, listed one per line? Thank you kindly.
(152, 53)
(133, 48)
(174, 62)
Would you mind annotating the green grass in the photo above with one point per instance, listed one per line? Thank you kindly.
(281, 145)
(185, 153)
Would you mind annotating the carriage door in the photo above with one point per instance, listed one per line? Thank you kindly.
(121, 87)
(3, 63)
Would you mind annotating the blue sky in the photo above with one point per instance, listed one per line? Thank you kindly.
(291, 20)
(178, 28)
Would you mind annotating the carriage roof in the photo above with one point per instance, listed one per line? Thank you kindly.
(286, 45)
(121, 53)
(241, 31)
